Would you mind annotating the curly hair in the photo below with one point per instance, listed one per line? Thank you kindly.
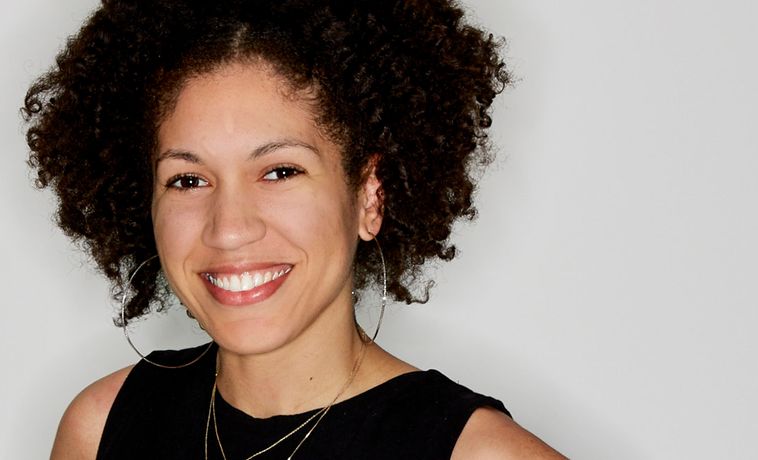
(405, 83)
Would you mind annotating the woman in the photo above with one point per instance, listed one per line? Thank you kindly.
(248, 157)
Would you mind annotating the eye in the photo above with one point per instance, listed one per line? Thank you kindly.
(281, 173)
(186, 182)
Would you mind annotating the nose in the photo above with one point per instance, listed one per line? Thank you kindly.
(233, 222)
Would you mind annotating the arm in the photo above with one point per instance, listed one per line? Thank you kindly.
(491, 435)
(82, 424)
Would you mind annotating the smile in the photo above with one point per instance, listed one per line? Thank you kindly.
(245, 281)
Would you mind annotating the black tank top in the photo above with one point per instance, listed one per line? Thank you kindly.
(162, 414)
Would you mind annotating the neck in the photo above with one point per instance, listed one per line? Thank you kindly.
(303, 375)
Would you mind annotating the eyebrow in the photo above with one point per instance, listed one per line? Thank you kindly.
(261, 150)
(276, 145)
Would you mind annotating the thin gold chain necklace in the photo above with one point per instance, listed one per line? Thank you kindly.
(317, 416)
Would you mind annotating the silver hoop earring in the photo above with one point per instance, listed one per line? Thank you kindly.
(126, 330)
(384, 289)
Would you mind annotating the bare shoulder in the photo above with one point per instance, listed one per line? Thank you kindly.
(82, 424)
(492, 435)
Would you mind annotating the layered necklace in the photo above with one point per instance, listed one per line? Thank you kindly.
(315, 418)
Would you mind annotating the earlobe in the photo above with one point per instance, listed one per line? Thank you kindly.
(371, 205)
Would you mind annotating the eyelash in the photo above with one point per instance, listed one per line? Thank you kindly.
(289, 170)
(174, 182)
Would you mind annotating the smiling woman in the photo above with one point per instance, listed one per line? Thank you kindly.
(257, 194)
(261, 150)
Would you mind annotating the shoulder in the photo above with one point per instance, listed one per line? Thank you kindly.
(491, 435)
(82, 424)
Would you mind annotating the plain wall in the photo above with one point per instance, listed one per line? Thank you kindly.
(608, 291)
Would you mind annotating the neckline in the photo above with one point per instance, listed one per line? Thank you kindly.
(376, 392)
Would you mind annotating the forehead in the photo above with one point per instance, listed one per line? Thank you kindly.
(241, 81)
(239, 109)
(237, 93)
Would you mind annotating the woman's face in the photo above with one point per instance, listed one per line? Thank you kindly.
(255, 224)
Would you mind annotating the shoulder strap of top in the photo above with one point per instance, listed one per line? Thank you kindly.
(455, 404)
(419, 415)
(156, 405)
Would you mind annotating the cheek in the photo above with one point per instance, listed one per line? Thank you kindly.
(320, 220)
(176, 229)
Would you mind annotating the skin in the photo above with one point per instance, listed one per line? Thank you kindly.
(245, 181)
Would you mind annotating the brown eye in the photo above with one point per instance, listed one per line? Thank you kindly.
(281, 173)
(186, 182)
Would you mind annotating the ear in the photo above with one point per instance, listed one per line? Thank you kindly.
(371, 204)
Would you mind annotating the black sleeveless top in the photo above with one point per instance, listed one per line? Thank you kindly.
(162, 414)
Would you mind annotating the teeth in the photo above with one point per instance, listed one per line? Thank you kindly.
(245, 281)
(236, 283)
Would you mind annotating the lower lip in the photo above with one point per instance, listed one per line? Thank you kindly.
(243, 298)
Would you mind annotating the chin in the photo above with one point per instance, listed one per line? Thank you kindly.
(244, 338)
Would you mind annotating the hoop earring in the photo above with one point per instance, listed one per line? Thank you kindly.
(384, 290)
(126, 330)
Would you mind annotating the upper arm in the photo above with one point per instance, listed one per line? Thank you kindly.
(82, 424)
(491, 435)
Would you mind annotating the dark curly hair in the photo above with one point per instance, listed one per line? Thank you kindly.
(405, 83)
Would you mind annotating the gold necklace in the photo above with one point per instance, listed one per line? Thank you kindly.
(318, 415)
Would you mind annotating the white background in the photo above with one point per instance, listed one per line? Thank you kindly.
(608, 292)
